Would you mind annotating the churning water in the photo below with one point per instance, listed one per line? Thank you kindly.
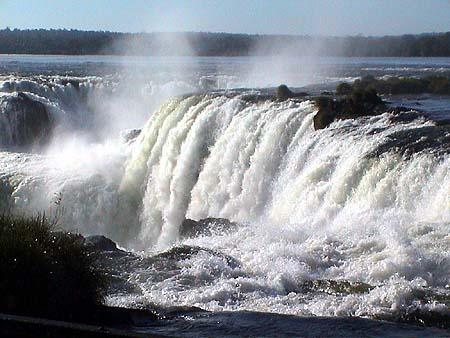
(351, 220)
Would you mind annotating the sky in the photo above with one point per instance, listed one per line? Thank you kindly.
(302, 17)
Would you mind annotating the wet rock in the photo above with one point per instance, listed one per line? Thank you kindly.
(433, 139)
(334, 287)
(173, 312)
(284, 93)
(191, 228)
(130, 135)
(100, 243)
(360, 102)
(326, 114)
(361, 99)
(403, 115)
(426, 317)
(24, 122)
(74, 83)
(114, 316)
(184, 252)
(344, 88)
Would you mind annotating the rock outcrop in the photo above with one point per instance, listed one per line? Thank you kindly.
(100, 243)
(191, 228)
(24, 122)
(357, 103)
(284, 93)
(130, 135)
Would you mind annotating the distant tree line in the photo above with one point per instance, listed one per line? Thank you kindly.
(76, 42)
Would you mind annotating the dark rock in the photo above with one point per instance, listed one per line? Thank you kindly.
(443, 122)
(74, 83)
(100, 243)
(256, 98)
(183, 252)
(284, 93)
(130, 135)
(27, 122)
(403, 115)
(361, 98)
(191, 228)
(343, 88)
(115, 316)
(433, 139)
(13, 326)
(326, 114)
(360, 102)
(416, 315)
(172, 312)
(334, 287)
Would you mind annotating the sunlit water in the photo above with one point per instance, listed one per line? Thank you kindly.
(330, 223)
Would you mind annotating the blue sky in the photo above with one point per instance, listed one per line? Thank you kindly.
(316, 17)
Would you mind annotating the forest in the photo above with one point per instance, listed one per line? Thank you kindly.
(76, 42)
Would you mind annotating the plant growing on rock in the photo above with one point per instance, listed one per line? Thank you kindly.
(46, 273)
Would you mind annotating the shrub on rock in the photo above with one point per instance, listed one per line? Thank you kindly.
(405, 85)
(45, 273)
(360, 101)
(343, 88)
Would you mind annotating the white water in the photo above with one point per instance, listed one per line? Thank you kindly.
(313, 205)
(96, 107)
(214, 156)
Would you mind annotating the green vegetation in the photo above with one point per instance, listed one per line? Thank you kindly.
(344, 88)
(75, 42)
(45, 273)
(404, 85)
(352, 102)
(361, 97)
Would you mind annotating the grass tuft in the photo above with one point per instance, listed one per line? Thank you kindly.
(44, 272)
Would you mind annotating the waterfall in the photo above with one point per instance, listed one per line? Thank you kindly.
(262, 163)
(363, 203)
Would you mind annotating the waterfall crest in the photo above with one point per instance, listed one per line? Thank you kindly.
(261, 162)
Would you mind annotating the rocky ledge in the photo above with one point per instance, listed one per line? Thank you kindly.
(26, 122)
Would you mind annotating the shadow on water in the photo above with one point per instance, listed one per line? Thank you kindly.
(255, 324)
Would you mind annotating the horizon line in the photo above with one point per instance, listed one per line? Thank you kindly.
(223, 32)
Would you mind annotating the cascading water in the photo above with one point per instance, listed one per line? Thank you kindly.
(339, 221)
(369, 227)
(97, 108)
(66, 102)
(215, 156)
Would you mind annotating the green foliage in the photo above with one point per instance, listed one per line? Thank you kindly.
(353, 101)
(343, 88)
(324, 103)
(439, 85)
(76, 42)
(406, 85)
(360, 98)
(45, 273)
